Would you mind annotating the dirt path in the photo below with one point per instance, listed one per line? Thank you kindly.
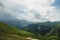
(29, 38)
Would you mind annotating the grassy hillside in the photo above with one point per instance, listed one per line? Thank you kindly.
(8, 32)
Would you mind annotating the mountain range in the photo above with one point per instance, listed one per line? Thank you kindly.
(43, 28)
(41, 31)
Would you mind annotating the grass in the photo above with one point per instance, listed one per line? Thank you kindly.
(8, 32)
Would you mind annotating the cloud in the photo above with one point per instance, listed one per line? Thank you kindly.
(31, 10)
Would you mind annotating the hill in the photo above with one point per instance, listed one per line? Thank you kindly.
(45, 28)
(40, 28)
(8, 32)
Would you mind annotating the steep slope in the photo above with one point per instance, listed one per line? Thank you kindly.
(42, 28)
(48, 30)
(8, 32)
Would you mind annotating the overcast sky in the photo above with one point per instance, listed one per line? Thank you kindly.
(30, 10)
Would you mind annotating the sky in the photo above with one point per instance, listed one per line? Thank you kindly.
(30, 10)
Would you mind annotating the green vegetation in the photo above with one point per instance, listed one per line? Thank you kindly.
(46, 30)
(8, 32)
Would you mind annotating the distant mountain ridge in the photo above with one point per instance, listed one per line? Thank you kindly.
(42, 28)
(17, 23)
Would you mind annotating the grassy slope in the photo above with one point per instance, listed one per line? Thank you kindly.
(10, 33)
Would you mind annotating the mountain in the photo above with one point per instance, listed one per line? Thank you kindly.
(8, 32)
(20, 24)
(43, 28)
(40, 28)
